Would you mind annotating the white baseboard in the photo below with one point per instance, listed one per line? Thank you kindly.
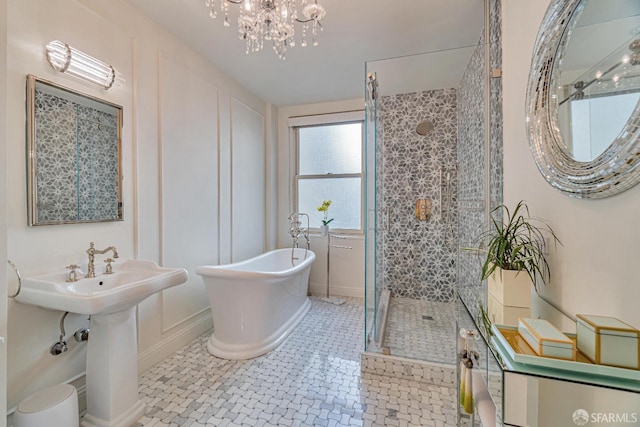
(166, 348)
(341, 291)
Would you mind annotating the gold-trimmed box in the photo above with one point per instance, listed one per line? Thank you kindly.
(545, 339)
(608, 341)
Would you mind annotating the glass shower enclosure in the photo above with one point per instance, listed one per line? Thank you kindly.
(433, 174)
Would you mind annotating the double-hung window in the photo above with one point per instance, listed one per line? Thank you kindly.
(329, 167)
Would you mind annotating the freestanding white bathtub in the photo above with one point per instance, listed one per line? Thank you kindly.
(256, 303)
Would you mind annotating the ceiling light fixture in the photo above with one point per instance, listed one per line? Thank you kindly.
(66, 59)
(272, 20)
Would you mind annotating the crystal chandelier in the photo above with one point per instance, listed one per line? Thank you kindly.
(272, 20)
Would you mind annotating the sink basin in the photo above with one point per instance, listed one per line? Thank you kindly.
(131, 282)
(112, 355)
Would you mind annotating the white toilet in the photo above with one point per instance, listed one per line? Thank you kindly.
(53, 406)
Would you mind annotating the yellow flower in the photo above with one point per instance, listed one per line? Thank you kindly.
(324, 207)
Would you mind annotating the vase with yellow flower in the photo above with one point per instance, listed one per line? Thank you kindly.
(324, 208)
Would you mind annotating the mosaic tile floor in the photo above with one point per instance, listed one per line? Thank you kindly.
(420, 329)
(312, 379)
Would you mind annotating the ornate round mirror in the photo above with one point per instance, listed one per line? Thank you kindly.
(583, 97)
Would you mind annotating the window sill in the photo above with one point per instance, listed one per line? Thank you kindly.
(351, 234)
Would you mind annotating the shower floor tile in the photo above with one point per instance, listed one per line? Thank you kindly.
(312, 379)
(421, 329)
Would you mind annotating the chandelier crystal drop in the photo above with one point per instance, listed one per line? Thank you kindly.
(272, 21)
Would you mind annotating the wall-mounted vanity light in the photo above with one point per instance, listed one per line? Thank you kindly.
(66, 59)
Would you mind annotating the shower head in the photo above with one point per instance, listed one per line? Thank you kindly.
(424, 127)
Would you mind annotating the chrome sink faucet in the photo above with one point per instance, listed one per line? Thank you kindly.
(91, 269)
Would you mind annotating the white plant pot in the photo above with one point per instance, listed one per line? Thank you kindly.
(324, 230)
(510, 288)
(505, 314)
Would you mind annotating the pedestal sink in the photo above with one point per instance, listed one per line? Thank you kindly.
(112, 356)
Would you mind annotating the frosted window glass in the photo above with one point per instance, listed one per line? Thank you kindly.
(330, 149)
(344, 194)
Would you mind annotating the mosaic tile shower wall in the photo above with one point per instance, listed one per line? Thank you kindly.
(472, 185)
(419, 256)
(381, 219)
(77, 161)
(495, 102)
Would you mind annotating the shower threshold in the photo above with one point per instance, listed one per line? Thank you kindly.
(375, 342)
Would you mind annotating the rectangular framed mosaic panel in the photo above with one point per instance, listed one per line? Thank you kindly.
(74, 163)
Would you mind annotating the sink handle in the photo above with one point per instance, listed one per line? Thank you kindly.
(109, 269)
(73, 274)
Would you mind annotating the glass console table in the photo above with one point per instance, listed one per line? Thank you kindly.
(510, 393)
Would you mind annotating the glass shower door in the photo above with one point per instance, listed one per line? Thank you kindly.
(373, 218)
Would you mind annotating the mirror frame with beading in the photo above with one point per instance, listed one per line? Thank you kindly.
(74, 156)
(613, 171)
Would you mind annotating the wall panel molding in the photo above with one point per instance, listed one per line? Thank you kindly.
(248, 181)
(188, 126)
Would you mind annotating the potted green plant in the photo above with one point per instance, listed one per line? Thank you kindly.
(516, 255)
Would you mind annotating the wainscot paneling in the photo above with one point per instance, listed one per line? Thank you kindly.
(189, 135)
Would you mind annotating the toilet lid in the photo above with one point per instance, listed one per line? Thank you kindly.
(45, 399)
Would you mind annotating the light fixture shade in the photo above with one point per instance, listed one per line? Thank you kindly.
(66, 59)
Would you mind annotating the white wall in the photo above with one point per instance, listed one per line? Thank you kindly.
(31, 330)
(3, 211)
(248, 210)
(180, 113)
(595, 271)
(347, 268)
(272, 179)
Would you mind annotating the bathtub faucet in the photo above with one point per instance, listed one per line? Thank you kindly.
(91, 269)
(306, 236)
(294, 226)
(296, 230)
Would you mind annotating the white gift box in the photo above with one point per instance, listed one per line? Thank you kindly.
(545, 339)
(608, 341)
